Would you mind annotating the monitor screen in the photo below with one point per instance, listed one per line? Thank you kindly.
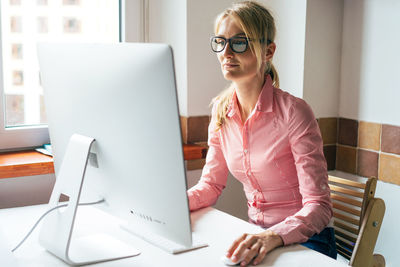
(124, 96)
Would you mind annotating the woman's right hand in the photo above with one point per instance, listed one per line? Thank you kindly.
(258, 245)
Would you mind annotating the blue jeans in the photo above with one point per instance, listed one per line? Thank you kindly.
(323, 242)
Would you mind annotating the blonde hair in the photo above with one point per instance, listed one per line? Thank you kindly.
(257, 23)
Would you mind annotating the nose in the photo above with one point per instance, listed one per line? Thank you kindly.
(227, 52)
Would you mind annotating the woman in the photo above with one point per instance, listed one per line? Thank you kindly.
(268, 139)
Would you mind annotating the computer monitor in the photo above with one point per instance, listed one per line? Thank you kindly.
(124, 97)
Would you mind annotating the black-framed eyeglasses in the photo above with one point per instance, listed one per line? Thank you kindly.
(238, 44)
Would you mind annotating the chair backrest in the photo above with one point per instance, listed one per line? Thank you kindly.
(357, 219)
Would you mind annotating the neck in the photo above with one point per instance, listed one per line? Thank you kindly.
(247, 93)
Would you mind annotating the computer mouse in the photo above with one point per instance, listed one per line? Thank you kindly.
(228, 261)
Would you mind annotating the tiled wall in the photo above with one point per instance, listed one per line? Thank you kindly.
(328, 127)
(358, 147)
(363, 148)
(194, 129)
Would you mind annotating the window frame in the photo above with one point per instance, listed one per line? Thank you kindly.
(132, 28)
(17, 137)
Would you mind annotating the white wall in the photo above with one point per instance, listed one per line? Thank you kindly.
(290, 18)
(370, 89)
(188, 25)
(205, 79)
(168, 24)
(370, 77)
(322, 60)
(389, 235)
(23, 191)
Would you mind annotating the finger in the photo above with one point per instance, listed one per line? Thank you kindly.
(252, 252)
(247, 243)
(261, 255)
(235, 244)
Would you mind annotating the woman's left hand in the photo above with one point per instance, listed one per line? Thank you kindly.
(258, 245)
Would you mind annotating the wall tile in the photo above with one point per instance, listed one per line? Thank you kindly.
(367, 163)
(389, 168)
(330, 156)
(348, 132)
(346, 159)
(197, 128)
(328, 127)
(195, 164)
(194, 129)
(391, 139)
(369, 135)
(184, 128)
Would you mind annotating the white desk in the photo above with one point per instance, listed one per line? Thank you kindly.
(218, 229)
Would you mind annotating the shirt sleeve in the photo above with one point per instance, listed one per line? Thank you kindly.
(307, 149)
(214, 175)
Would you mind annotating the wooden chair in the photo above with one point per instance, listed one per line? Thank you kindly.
(357, 220)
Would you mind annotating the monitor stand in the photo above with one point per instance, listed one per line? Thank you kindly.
(56, 232)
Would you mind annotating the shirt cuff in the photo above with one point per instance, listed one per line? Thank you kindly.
(193, 202)
(290, 234)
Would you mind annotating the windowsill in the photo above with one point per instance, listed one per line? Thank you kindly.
(28, 163)
(191, 152)
(24, 163)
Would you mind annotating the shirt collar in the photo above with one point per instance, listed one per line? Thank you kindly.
(264, 102)
(233, 105)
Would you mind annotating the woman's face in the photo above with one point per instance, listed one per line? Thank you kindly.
(236, 66)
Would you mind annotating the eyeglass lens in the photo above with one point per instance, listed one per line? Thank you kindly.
(237, 44)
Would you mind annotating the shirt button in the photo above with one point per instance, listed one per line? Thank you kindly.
(245, 151)
(248, 173)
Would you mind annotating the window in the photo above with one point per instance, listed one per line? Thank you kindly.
(42, 25)
(23, 24)
(71, 2)
(15, 2)
(16, 51)
(15, 24)
(18, 78)
(72, 25)
(41, 2)
(15, 106)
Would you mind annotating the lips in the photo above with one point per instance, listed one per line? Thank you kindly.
(229, 65)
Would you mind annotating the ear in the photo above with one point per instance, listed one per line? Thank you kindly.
(270, 51)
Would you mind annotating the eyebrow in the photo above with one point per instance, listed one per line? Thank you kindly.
(240, 34)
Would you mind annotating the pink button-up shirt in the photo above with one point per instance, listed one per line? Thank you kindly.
(277, 155)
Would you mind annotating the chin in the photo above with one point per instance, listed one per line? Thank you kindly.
(229, 75)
